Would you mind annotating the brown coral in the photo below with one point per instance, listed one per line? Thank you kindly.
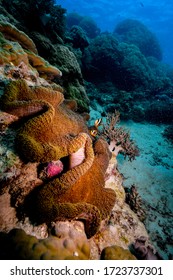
(77, 194)
(12, 33)
(11, 53)
(45, 70)
(90, 187)
(62, 124)
(66, 243)
(57, 132)
(116, 253)
(118, 137)
(19, 59)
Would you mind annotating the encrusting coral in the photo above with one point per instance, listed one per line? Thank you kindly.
(144, 250)
(45, 70)
(53, 132)
(73, 186)
(135, 202)
(10, 32)
(64, 243)
(19, 58)
(77, 194)
(116, 253)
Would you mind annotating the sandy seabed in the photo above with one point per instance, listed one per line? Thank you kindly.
(152, 173)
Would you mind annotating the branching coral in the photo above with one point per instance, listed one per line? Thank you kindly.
(117, 137)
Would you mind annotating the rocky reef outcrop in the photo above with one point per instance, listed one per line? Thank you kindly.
(47, 30)
(135, 32)
(118, 75)
(61, 194)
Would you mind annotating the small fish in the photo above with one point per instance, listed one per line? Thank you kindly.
(98, 122)
(93, 132)
(142, 5)
(94, 128)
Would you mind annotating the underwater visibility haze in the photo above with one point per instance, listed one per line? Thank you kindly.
(156, 15)
(152, 171)
(86, 129)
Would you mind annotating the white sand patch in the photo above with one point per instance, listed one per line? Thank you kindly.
(152, 174)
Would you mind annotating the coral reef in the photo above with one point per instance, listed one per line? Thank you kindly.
(135, 202)
(43, 16)
(78, 38)
(11, 52)
(119, 76)
(118, 138)
(67, 196)
(134, 32)
(72, 80)
(89, 26)
(143, 250)
(47, 71)
(9, 161)
(101, 59)
(135, 68)
(63, 173)
(76, 194)
(65, 243)
(19, 59)
(10, 32)
(128, 60)
(116, 253)
(121, 228)
(120, 63)
(86, 23)
(47, 30)
(33, 139)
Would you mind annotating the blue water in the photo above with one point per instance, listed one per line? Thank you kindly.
(156, 15)
(151, 172)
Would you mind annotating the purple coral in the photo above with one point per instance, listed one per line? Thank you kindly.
(51, 169)
(143, 250)
(54, 168)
